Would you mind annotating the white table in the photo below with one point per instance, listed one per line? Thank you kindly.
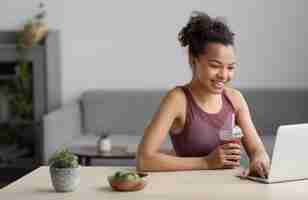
(207, 184)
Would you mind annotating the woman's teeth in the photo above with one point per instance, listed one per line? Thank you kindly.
(218, 84)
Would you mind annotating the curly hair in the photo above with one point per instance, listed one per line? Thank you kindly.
(202, 29)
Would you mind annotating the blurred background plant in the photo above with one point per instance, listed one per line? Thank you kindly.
(34, 30)
(21, 91)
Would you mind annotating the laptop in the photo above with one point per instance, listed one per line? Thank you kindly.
(289, 161)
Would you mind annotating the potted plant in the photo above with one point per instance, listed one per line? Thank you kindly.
(20, 89)
(34, 30)
(64, 171)
(127, 180)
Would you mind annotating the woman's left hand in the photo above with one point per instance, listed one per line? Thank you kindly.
(259, 166)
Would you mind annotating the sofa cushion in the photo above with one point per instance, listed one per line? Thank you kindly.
(119, 111)
(128, 111)
(273, 107)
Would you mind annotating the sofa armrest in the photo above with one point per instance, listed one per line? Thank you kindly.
(59, 128)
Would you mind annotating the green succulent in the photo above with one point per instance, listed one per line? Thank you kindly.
(126, 175)
(63, 159)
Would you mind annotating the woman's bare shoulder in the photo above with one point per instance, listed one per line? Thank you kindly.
(235, 97)
(176, 92)
(233, 92)
(176, 97)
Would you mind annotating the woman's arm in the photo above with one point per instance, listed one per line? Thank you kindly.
(148, 157)
(251, 140)
(259, 160)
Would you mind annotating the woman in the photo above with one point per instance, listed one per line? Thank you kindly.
(195, 113)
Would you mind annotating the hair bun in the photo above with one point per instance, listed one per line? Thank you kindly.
(202, 29)
(197, 23)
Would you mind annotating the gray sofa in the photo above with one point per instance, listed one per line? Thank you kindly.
(121, 113)
(125, 113)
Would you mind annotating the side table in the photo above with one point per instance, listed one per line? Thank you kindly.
(85, 154)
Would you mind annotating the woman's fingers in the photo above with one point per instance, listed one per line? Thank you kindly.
(264, 169)
(257, 169)
(244, 173)
(232, 152)
(260, 170)
(231, 146)
(232, 157)
(231, 163)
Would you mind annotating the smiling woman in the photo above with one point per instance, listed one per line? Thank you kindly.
(194, 114)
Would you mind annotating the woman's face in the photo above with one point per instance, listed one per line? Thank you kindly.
(215, 67)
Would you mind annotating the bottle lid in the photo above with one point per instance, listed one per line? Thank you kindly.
(237, 132)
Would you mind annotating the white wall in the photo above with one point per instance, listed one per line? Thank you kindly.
(132, 44)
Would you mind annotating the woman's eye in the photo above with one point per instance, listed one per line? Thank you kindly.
(231, 67)
(214, 66)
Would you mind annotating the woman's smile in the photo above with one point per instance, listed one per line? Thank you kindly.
(218, 84)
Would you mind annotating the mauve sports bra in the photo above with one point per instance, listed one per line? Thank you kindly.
(200, 134)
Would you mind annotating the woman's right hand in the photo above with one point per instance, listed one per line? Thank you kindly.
(225, 156)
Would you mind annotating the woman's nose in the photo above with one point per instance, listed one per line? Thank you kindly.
(223, 74)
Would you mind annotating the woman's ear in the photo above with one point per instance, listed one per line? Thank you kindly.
(191, 60)
(192, 63)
